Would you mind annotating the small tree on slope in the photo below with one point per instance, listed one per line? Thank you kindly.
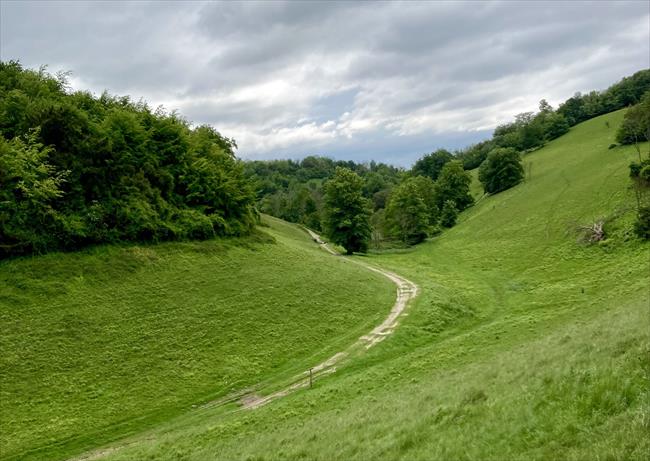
(407, 213)
(501, 170)
(453, 184)
(449, 214)
(347, 212)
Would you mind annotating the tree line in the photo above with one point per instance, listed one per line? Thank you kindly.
(406, 206)
(635, 130)
(76, 169)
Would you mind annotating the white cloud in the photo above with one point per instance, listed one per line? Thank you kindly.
(295, 78)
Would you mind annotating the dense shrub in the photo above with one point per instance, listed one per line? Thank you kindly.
(636, 123)
(622, 94)
(453, 184)
(77, 169)
(474, 155)
(642, 224)
(501, 170)
(407, 212)
(347, 211)
(293, 190)
(430, 165)
(449, 214)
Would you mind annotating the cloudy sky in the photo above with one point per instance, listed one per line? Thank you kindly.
(353, 80)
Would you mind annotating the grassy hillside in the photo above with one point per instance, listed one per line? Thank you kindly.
(109, 341)
(524, 342)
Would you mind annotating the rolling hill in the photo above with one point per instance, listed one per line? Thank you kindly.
(525, 343)
(112, 340)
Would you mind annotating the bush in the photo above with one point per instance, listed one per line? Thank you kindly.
(640, 171)
(449, 214)
(347, 211)
(29, 189)
(501, 170)
(76, 169)
(192, 224)
(453, 184)
(431, 164)
(642, 224)
(636, 123)
(555, 125)
(644, 175)
(407, 213)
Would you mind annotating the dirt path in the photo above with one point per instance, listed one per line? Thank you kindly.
(249, 399)
(406, 290)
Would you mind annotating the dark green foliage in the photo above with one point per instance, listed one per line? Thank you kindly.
(642, 223)
(77, 169)
(453, 184)
(449, 214)
(501, 170)
(555, 125)
(347, 211)
(530, 131)
(644, 174)
(293, 190)
(431, 164)
(622, 94)
(29, 186)
(636, 123)
(426, 189)
(407, 213)
(474, 155)
(640, 171)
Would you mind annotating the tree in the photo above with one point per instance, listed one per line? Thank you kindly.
(407, 212)
(555, 125)
(545, 107)
(573, 109)
(130, 173)
(426, 190)
(28, 188)
(431, 164)
(474, 155)
(501, 170)
(636, 124)
(642, 223)
(347, 211)
(449, 214)
(530, 129)
(453, 184)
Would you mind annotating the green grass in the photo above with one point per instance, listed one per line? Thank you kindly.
(524, 343)
(112, 340)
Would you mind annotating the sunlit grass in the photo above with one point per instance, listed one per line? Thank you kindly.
(109, 341)
(524, 344)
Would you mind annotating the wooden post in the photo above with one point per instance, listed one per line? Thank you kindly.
(311, 379)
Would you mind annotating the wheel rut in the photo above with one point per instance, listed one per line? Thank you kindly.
(406, 290)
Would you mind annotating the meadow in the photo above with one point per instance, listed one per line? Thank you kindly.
(525, 342)
(111, 340)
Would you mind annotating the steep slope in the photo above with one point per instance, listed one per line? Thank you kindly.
(524, 344)
(106, 342)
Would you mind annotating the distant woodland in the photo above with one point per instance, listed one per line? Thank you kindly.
(79, 169)
(409, 205)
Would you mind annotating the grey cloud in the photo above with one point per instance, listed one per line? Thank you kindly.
(382, 64)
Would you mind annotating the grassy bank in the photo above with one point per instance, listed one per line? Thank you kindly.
(525, 343)
(109, 341)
